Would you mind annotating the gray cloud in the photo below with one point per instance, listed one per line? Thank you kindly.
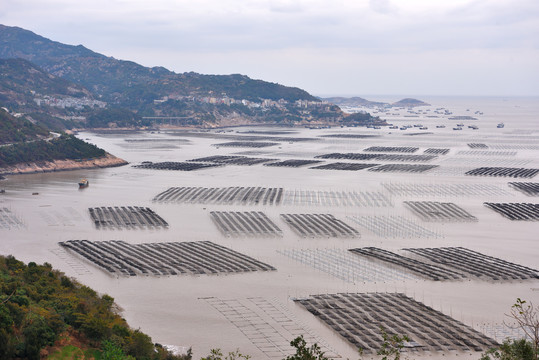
(320, 34)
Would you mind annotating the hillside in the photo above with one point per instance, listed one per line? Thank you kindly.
(14, 129)
(26, 147)
(156, 93)
(42, 311)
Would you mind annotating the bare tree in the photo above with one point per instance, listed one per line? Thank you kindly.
(526, 316)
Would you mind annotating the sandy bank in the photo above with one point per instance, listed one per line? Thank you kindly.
(63, 165)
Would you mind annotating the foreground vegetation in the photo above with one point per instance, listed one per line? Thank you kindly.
(65, 147)
(41, 308)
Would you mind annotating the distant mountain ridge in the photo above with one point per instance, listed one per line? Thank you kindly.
(107, 87)
(359, 101)
(106, 75)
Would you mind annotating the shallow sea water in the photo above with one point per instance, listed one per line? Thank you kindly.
(182, 310)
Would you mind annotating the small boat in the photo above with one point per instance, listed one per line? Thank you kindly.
(500, 125)
(83, 183)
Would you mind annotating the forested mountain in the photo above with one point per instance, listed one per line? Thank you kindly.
(154, 93)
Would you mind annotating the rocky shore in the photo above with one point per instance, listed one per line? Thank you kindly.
(63, 165)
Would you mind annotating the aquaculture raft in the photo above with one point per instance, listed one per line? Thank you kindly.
(358, 318)
(475, 264)
(253, 223)
(248, 144)
(173, 165)
(236, 195)
(293, 163)
(344, 166)
(436, 151)
(442, 190)
(527, 188)
(516, 211)
(175, 258)
(349, 136)
(403, 149)
(336, 198)
(126, 217)
(477, 146)
(403, 168)
(450, 263)
(504, 172)
(233, 160)
(380, 157)
(267, 325)
(318, 225)
(394, 227)
(429, 271)
(438, 211)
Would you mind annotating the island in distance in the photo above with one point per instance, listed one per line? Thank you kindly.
(359, 101)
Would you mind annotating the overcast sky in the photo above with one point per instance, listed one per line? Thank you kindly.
(327, 47)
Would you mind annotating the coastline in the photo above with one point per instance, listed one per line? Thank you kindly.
(63, 165)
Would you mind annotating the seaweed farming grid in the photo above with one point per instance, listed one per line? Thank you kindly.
(318, 225)
(235, 195)
(487, 153)
(408, 168)
(436, 151)
(419, 268)
(379, 157)
(516, 211)
(268, 327)
(157, 259)
(293, 163)
(475, 161)
(443, 190)
(248, 144)
(440, 212)
(235, 223)
(347, 267)
(474, 264)
(395, 227)
(9, 220)
(358, 318)
(528, 188)
(343, 166)
(335, 198)
(402, 149)
(232, 160)
(504, 172)
(126, 217)
(174, 165)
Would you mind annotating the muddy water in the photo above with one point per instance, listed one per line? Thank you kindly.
(178, 310)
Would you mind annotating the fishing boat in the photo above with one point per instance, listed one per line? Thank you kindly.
(83, 183)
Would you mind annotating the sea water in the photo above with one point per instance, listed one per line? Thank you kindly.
(184, 310)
